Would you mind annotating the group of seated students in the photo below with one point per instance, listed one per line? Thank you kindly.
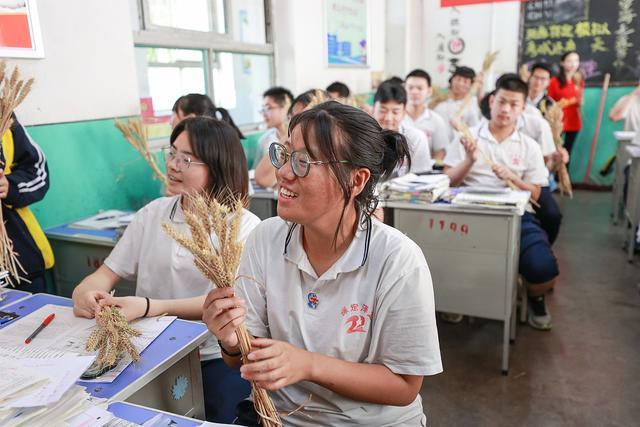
(327, 278)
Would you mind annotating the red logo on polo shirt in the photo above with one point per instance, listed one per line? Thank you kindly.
(515, 161)
(357, 316)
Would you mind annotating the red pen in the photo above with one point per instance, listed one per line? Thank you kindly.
(45, 322)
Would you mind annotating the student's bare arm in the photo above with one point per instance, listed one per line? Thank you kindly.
(266, 173)
(619, 111)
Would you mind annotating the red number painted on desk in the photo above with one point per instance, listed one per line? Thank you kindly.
(453, 227)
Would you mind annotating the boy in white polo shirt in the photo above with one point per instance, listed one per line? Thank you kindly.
(517, 158)
(459, 86)
(419, 115)
(389, 105)
(342, 302)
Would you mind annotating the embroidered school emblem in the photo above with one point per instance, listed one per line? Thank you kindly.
(312, 300)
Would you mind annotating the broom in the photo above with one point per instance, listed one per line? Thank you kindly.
(136, 135)
(13, 91)
(553, 115)
(219, 263)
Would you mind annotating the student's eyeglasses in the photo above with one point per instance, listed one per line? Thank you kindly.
(267, 109)
(183, 162)
(300, 160)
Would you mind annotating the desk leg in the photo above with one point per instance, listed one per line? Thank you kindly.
(505, 345)
(631, 241)
(514, 315)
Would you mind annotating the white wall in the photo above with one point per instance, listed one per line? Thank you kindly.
(484, 27)
(300, 38)
(88, 71)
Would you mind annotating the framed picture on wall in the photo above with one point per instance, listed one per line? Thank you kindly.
(20, 35)
(347, 33)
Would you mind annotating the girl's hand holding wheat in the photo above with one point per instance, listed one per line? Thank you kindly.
(87, 303)
(223, 313)
(132, 307)
(276, 364)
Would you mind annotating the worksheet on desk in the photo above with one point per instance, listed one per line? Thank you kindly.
(68, 334)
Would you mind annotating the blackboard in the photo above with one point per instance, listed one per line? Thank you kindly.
(606, 34)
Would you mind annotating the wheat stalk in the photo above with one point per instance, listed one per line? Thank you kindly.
(466, 134)
(206, 216)
(136, 134)
(553, 115)
(13, 92)
(489, 59)
(112, 337)
(437, 96)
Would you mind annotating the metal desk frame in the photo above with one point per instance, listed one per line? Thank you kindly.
(622, 158)
(474, 274)
(632, 207)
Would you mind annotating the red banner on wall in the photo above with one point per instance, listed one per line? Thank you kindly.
(453, 3)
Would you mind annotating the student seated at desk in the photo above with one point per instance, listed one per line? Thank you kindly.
(205, 157)
(389, 110)
(276, 102)
(196, 104)
(517, 158)
(343, 320)
(537, 128)
(338, 90)
(459, 86)
(538, 100)
(419, 115)
(628, 108)
(265, 173)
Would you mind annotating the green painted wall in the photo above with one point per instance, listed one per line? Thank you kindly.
(606, 143)
(92, 167)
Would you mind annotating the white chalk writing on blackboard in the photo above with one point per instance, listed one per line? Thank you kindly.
(625, 29)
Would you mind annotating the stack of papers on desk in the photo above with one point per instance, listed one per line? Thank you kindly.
(67, 336)
(415, 188)
(510, 200)
(102, 221)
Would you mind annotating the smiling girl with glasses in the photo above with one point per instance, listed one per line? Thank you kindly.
(205, 156)
(341, 305)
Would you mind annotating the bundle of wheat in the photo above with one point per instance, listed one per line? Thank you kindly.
(437, 96)
(136, 134)
(112, 337)
(488, 61)
(205, 216)
(554, 115)
(13, 90)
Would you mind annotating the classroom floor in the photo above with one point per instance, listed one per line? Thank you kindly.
(585, 372)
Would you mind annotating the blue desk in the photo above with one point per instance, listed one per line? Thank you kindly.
(80, 252)
(140, 414)
(9, 296)
(173, 354)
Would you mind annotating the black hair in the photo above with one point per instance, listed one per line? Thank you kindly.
(513, 83)
(420, 74)
(541, 66)
(202, 105)
(340, 88)
(217, 144)
(466, 72)
(562, 77)
(280, 95)
(342, 132)
(390, 92)
(485, 108)
(394, 80)
(307, 97)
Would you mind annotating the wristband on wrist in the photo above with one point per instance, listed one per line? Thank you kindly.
(226, 352)
(147, 309)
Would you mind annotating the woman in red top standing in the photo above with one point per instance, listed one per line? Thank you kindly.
(568, 90)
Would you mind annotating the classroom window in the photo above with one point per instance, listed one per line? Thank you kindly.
(248, 21)
(195, 15)
(163, 76)
(238, 83)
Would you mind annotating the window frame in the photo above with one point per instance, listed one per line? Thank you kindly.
(155, 36)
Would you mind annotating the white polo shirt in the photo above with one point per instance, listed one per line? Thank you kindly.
(434, 126)
(518, 152)
(161, 267)
(632, 115)
(418, 148)
(448, 108)
(271, 135)
(374, 305)
(538, 129)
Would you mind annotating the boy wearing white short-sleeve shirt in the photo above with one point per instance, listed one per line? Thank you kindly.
(517, 158)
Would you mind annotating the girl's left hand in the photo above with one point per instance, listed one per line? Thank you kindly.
(276, 364)
(132, 307)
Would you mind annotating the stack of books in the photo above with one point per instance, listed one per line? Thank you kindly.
(415, 188)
